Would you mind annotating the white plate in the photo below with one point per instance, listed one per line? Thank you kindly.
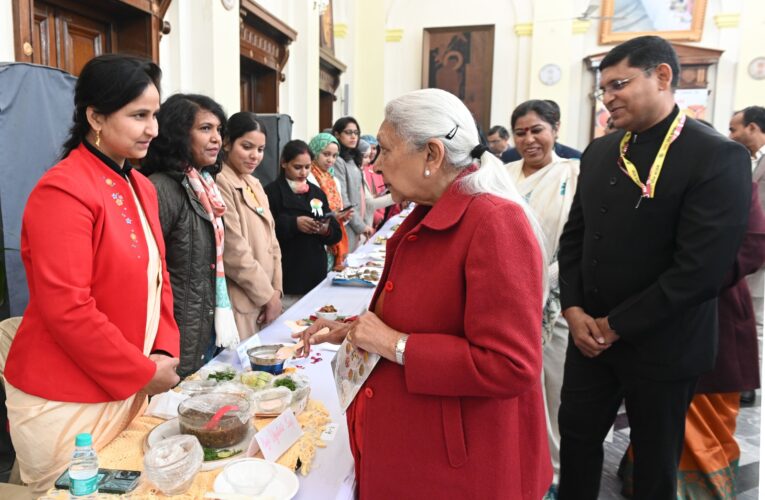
(283, 486)
(172, 428)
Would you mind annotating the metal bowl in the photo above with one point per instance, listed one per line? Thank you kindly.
(263, 358)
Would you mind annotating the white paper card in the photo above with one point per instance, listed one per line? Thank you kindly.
(330, 432)
(276, 438)
(165, 405)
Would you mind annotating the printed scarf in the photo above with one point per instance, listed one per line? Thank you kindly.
(204, 187)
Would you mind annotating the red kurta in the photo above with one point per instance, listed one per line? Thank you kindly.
(82, 336)
(464, 417)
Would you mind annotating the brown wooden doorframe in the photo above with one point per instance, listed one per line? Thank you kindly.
(136, 25)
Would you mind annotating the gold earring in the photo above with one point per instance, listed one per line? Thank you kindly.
(427, 172)
(98, 138)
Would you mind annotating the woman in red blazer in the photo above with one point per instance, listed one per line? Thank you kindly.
(454, 409)
(98, 334)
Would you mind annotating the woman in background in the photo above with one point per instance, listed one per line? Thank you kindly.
(548, 183)
(98, 334)
(374, 181)
(348, 171)
(182, 161)
(252, 255)
(373, 203)
(299, 209)
(325, 149)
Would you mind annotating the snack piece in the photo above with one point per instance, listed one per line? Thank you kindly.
(329, 308)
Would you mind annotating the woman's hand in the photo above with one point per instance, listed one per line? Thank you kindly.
(164, 377)
(308, 225)
(271, 310)
(336, 334)
(368, 232)
(344, 217)
(371, 334)
(324, 228)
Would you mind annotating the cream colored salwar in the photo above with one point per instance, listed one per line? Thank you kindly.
(43, 431)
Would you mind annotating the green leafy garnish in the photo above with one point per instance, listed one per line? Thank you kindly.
(212, 454)
(222, 376)
(286, 382)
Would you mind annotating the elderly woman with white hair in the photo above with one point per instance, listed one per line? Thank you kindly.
(454, 407)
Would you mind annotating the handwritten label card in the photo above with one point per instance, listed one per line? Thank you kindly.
(275, 438)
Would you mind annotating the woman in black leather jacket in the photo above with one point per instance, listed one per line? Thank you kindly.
(190, 131)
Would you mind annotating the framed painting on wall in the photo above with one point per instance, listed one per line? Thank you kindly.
(460, 60)
(327, 29)
(669, 19)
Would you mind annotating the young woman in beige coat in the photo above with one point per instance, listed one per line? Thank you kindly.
(252, 257)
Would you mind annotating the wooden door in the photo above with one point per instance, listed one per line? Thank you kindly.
(257, 86)
(67, 39)
(326, 102)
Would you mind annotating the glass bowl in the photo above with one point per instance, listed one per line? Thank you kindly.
(173, 463)
(197, 387)
(196, 413)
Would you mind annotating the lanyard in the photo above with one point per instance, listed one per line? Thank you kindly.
(649, 188)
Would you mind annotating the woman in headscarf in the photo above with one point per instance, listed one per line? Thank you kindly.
(325, 149)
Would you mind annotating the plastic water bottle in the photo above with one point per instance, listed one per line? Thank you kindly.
(83, 470)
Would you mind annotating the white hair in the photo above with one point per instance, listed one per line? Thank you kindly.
(425, 114)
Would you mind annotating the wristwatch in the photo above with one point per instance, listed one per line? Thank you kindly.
(400, 347)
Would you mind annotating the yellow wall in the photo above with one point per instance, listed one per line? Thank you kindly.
(747, 90)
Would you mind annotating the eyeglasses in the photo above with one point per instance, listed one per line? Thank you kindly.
(616, 85)
(351, 132)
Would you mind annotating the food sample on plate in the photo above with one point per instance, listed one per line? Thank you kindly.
(218, 420)
(329, 308)
(257, 380)
(272, 401)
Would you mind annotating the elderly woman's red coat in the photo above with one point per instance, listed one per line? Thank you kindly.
(463, 418)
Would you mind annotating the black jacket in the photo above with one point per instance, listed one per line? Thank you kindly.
(304, 258)
(190, 244)
(655, 269)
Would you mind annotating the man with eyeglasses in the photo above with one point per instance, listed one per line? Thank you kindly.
(660, 210)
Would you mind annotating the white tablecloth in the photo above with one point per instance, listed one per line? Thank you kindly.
(332, 475)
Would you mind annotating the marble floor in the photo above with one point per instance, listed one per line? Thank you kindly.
(747, 433)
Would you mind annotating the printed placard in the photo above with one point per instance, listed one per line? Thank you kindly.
(276, 438)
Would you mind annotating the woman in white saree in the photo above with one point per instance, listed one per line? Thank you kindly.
(548, 183)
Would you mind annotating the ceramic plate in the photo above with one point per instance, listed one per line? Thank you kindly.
(172, 428)
(283, 486)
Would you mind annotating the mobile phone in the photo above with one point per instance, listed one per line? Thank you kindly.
(353, 205)
(109, 480)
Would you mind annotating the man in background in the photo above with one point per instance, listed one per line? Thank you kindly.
(498, 139)
(748, 128)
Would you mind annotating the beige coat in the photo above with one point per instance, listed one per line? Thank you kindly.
(251, 254)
